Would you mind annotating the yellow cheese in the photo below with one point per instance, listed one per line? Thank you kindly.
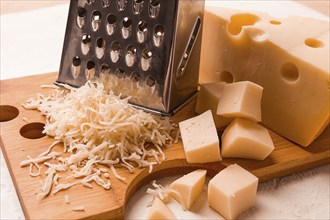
(188, 188)
(200, 139)
(288, 57)
(208, 98)
(246, 139)
(159, 210)
(241, 100)
(232, 191)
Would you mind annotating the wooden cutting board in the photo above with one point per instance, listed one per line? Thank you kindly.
(105, 204)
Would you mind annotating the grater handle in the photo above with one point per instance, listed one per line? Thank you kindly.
(190, 45)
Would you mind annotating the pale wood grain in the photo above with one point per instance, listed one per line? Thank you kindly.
(109, 204)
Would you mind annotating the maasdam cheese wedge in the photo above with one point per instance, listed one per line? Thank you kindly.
(288, 57)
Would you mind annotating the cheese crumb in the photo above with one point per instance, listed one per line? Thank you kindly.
(67, 199)
(79, 208)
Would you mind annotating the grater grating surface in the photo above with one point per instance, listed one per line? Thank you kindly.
(146, 49)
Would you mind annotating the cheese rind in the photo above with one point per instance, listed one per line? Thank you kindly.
(283, 57)
(232, 191)
(208, 98)
(246, 139)
(200, 139)
(188, 188)
(241, 100)
(159, 210)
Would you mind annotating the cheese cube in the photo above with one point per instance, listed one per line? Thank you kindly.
(246, 139)
(159, 210)
(241, 100)
(288, 57)
(208, 98)
(232, 191)
(200, 139)
(188, 188)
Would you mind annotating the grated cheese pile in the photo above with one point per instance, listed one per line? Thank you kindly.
(99, 132)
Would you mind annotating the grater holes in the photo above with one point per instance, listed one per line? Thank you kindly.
(85, 43)
(142, 31)
(135, 77)
(76, 61)
(86, 39)
(90, 70)
(105, 3)
(111, 25)
(115, 51)
(127, 27)
(81, 12)
(100, 47)
(150, 81)
(121, 4)
(104, 73)
(130, 55)
(146, 59)
(119, 72)
(105, 69)
(100, 42)
(96, 20)
(137, 6)
(158, 35)
(75, 68)
(81, 15)
(154, 8)
(90, 2)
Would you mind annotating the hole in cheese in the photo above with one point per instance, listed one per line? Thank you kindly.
(240, 20)
(226, 76)
(257, 34)
(275, 22)
(314, 43)
(289, 72)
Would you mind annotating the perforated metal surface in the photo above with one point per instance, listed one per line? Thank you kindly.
(139, 48)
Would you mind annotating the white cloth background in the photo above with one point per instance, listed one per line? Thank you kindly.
(31, 43)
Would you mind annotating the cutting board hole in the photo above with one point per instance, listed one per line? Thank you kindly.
(33, 130)
(8, 113)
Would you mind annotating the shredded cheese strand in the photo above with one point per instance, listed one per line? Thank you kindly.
(97, 128)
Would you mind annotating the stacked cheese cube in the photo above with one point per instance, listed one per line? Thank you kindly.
(236, 104)
(220, 104)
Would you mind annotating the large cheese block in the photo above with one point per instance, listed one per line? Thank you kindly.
(288, 57)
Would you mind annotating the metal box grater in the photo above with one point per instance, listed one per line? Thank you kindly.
(146, 49)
